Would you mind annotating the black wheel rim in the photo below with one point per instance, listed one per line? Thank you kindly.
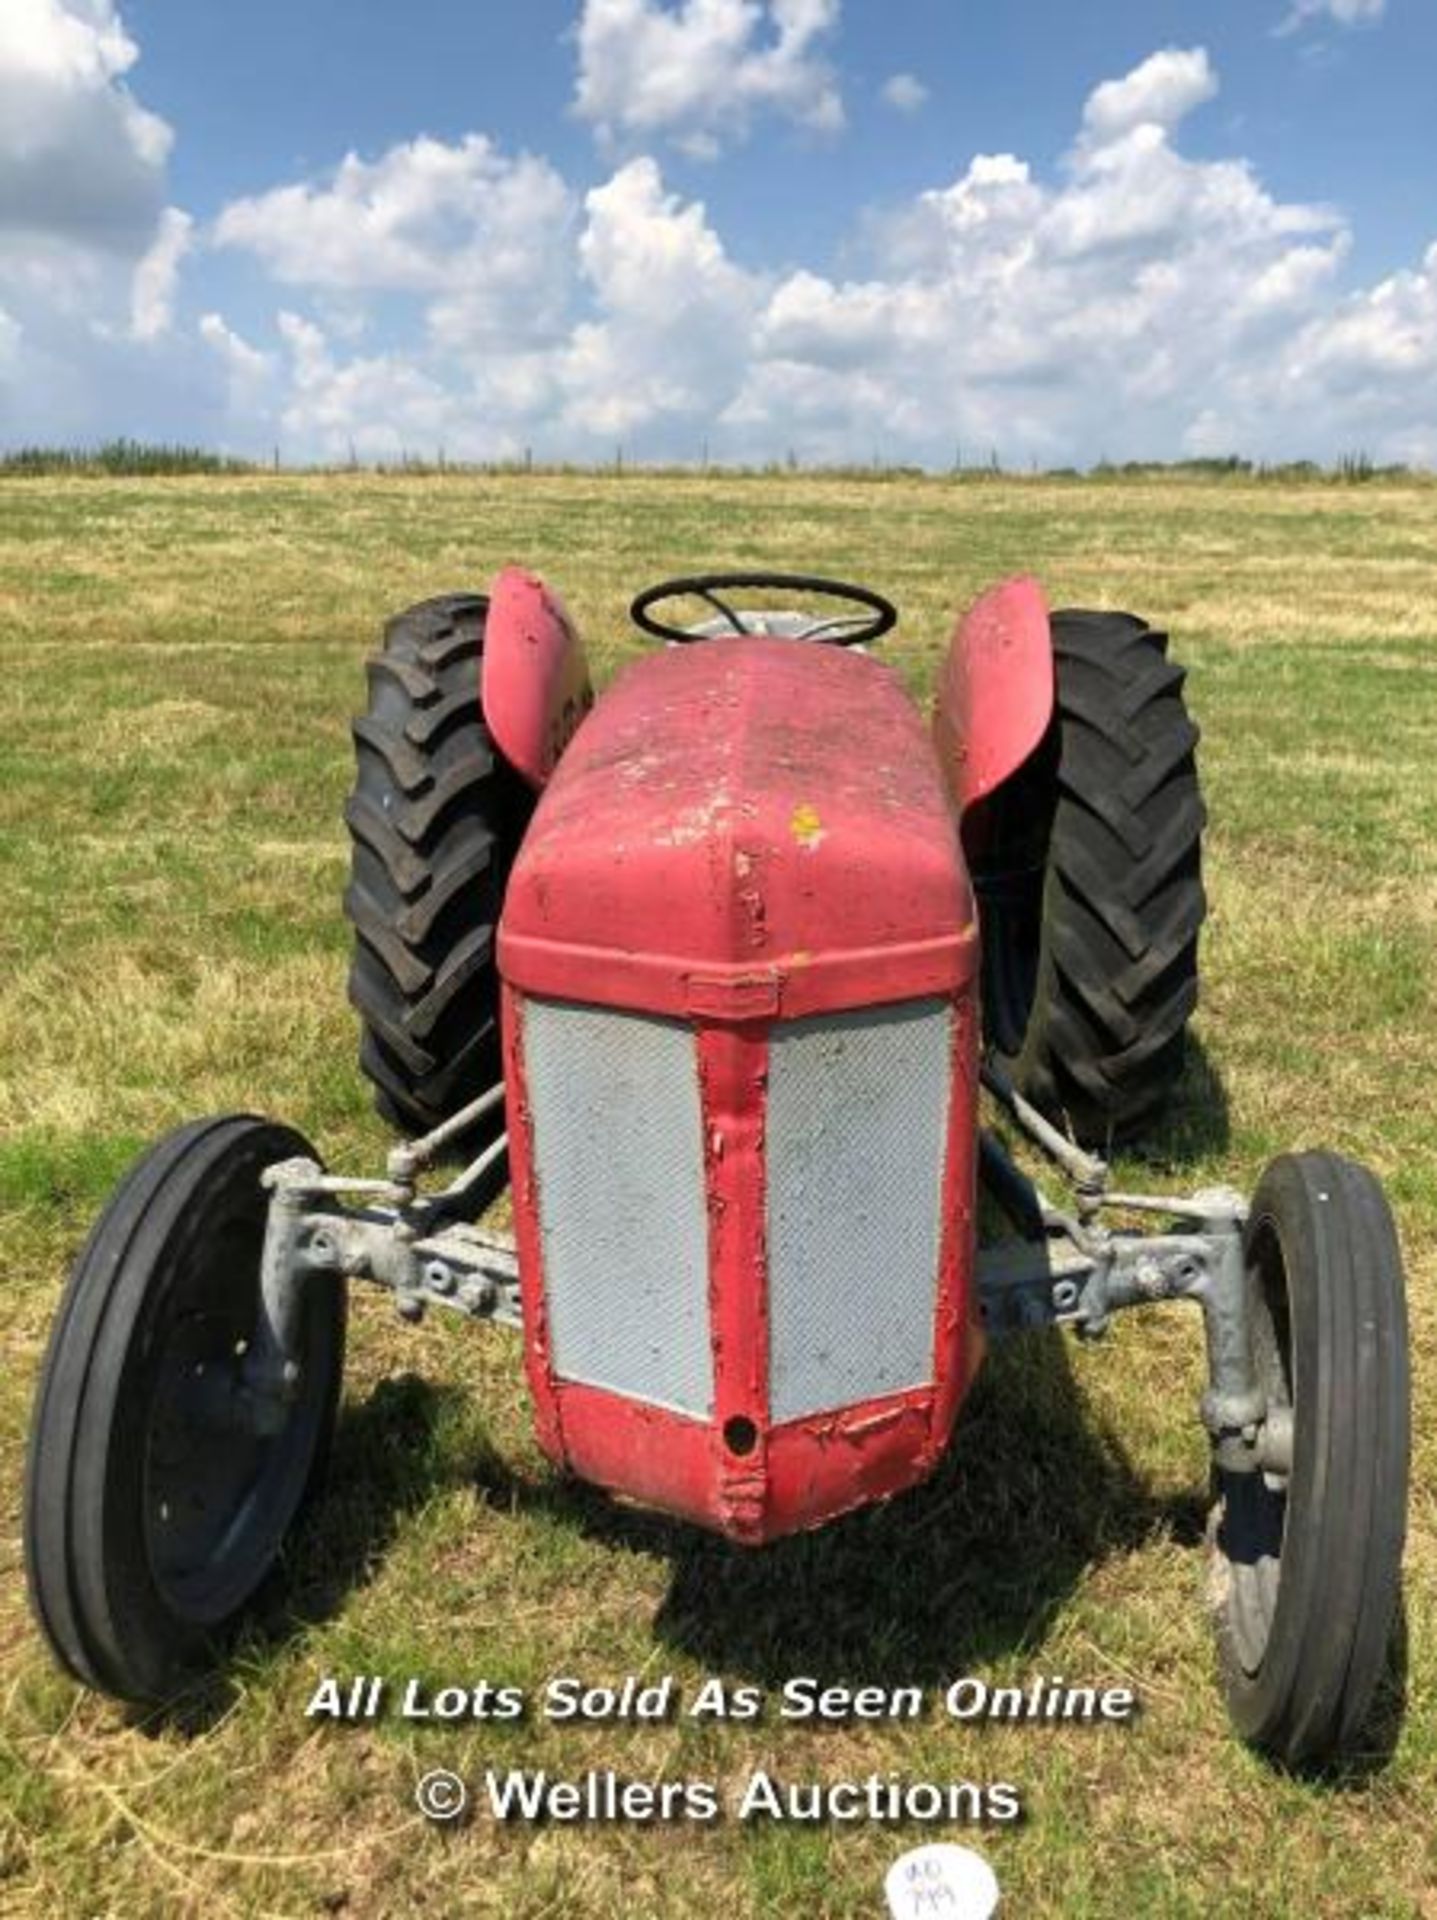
(219, 1493)
(1254, 1505)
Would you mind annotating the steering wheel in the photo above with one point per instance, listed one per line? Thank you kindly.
(880, 615)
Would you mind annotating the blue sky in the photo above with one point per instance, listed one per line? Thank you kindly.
(838, 226)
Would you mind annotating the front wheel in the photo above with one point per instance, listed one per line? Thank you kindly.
(1306, 1564)
(155, 1503)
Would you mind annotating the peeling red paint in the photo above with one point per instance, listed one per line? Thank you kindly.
(732, 1064)
(663, 874)
(958, 1341)
(663, 847)
(538, 1352)
(534, 679)
(995, 691)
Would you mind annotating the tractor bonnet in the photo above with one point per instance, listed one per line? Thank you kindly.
(738, 949)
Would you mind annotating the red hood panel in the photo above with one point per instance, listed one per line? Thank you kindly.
(743, 827)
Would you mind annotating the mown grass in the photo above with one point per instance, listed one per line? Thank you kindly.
(179, 661)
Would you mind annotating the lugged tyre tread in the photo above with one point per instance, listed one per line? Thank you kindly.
(1123, 901)
(434, 820)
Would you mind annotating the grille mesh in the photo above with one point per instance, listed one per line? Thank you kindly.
(857, 1113)
(618, 1155)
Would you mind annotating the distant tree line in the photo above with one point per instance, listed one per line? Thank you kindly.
(120, 457)
(138, 458)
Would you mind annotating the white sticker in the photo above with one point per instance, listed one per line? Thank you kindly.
(951, 1883)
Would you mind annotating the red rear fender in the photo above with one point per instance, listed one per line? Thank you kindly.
(535, 685)
(995, 694)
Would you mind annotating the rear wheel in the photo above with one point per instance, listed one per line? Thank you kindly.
(155, 1501)
(435, 818)
(1306, 1563)
(1087, 866)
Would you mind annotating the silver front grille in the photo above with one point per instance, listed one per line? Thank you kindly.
(857, 1129)
(623, 1222)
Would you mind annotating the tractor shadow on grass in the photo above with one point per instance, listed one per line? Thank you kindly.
(978, 1562)
(1191, 1132)
(1195, 1124)
(946, 1579)
(971, 1566)
(950, 1577)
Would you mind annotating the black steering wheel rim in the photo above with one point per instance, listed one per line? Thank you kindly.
(707, 586)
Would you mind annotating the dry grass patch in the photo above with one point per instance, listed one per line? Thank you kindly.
(158, 727)
(183, 657)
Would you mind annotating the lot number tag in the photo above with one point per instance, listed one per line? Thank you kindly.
(941, 1880)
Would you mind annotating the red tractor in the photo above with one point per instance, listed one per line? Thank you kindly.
(723, 1001)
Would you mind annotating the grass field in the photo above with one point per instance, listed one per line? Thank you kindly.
(180, 659)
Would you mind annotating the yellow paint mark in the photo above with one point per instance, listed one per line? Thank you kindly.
(806, 827)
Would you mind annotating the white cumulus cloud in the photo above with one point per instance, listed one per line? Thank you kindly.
(90, 251)
(1057, 320)
(1369, 361)
(1161, 92)
(463, 221)
(481, 246)
(700, 71)
(674, 314)
(1345, 13)
(653, 337)
(1131, 300)
(248, 372)
(80, 158)
(377, 406)
(904, 92)
(1136, 302)
(152, 290)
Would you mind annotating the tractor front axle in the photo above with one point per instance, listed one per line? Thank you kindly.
(1066, 1268)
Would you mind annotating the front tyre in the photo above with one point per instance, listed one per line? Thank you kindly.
(154, 1505)
(1306, 1565)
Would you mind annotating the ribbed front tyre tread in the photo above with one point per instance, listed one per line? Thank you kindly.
(179, 1241)
(1306, 1577)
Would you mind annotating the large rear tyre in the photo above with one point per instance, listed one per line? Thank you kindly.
(155, 1503)
(1306, 1565)
(435, 818)
(1088, 870)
